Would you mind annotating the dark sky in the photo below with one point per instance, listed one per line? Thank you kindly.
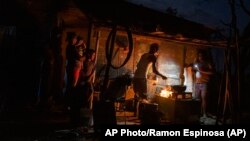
(207, 12)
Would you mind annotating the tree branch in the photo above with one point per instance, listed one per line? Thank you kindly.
(244, 7)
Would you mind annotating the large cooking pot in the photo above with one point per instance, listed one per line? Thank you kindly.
(177, 88)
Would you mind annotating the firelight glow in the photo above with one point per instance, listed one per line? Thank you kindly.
(166, 94)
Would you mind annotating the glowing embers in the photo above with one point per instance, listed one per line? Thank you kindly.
(174, 92)
(167, 93)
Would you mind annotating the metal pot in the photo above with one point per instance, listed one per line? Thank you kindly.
(177, 88)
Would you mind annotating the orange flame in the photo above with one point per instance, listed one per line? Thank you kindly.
(166, 93)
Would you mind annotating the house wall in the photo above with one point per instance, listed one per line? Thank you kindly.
(170, 61)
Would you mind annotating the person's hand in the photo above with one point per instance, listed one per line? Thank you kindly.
(164, 77)
(196, 67)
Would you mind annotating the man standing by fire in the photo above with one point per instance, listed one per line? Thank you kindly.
(140, 79)
(203, 70)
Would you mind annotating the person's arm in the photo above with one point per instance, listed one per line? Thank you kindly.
(90, 79)
(155, 70)
(207, 72)
(91, 72)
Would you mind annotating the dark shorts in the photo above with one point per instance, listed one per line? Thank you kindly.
(140, 87)
(200, 90)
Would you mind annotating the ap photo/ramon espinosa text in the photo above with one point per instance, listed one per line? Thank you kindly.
(185, 132)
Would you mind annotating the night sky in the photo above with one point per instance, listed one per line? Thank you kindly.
(207, 12)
